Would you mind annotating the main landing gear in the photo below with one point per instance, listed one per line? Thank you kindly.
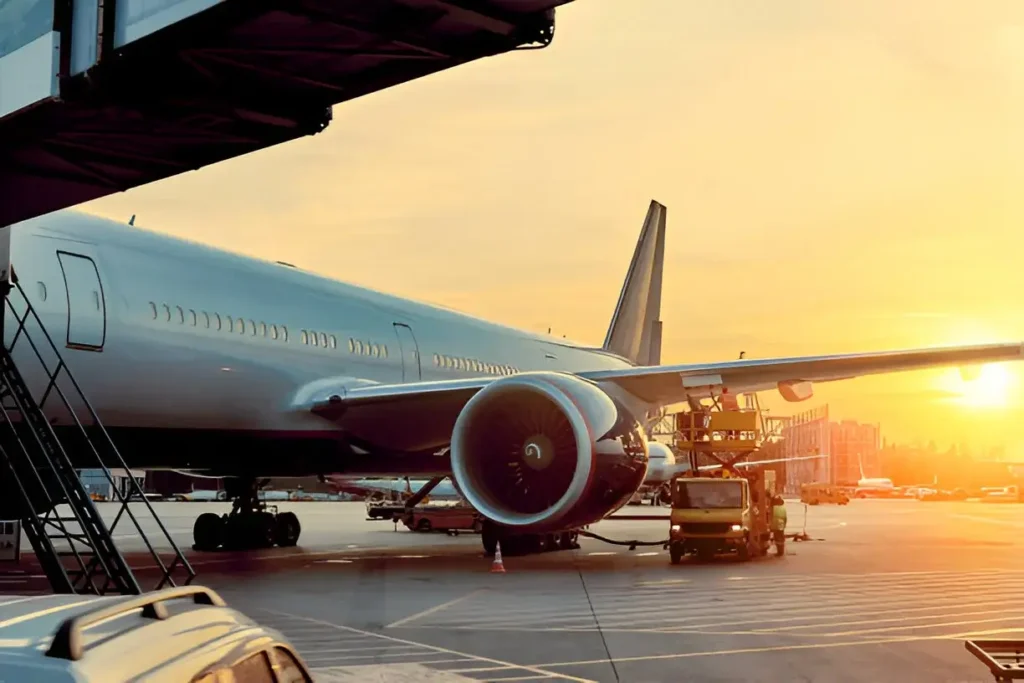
(251, 523)
(525, 544)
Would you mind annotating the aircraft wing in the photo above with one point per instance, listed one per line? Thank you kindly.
(420, 416)
(667, 384)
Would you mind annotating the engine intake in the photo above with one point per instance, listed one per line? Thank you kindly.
(547, 451)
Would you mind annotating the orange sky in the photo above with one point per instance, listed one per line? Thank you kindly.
(840, 177)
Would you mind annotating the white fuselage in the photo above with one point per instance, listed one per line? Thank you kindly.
(191, 353)
(875, 485)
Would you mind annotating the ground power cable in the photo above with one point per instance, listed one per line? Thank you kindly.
(593, 613)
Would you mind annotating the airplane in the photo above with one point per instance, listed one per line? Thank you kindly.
(872, 486)
(206, 361)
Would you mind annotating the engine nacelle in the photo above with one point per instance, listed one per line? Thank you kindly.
(547, 451)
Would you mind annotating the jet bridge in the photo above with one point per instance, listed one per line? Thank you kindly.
(100, 96)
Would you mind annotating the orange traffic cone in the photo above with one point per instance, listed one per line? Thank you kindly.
(497, 567)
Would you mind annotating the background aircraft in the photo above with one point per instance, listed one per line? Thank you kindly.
(202, 360)
(872, 486)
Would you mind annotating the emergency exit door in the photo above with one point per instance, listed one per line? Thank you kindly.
(410, 353)
(87, 311)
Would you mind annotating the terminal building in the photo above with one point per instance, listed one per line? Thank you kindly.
(842, 447)
(851, 446)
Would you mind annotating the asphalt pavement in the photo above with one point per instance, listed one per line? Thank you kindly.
(887, 590)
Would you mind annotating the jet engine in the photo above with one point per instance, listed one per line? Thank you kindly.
(547, 451)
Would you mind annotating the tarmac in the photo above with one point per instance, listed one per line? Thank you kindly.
(888, 590)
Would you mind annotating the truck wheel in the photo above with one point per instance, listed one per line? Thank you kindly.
(675, 553)
(423, 525)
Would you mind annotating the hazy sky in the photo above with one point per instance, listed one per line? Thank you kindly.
(839, 176)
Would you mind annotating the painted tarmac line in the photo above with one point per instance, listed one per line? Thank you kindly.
(988, 520)
(747, 650)
(490, 660)
(435, 608)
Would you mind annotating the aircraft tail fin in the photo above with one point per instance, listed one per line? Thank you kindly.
(635, 329)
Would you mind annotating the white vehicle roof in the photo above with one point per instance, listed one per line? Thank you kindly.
(173, 635)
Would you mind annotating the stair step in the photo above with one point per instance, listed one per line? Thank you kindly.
(32, 450)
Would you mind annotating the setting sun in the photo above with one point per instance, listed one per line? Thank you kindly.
(990, 386)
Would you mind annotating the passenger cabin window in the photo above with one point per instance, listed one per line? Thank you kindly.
(304, 337)
(241, 325)
(192, 317)
(167, 312)
(252, 328)
(152, 309)
(334, 342)
(219, 322)
(263, 329)
(42, 290)
(273, 331)
(206, 320)
(323, 340)
(284, 333)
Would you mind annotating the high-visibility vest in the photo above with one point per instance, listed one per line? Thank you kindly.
(779, 517)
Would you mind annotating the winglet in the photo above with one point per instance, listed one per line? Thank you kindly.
(635, 329)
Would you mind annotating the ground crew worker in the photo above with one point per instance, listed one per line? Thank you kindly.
(778, 520)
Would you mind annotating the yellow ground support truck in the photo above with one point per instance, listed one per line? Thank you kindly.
(712, 515)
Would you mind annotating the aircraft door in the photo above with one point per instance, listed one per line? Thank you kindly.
(87, 311)
(410, 353)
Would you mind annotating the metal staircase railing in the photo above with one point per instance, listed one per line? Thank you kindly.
(71, 541)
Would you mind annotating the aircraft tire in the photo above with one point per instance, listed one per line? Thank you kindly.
(489, 539)
(539, 543)
(264, 529)
(207, 531)
(288, 529)
(675, 552)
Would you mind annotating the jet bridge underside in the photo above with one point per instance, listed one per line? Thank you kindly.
(100, 96)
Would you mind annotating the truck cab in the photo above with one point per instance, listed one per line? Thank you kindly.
(715, 515)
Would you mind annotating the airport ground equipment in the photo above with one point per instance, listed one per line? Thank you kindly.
(38, 485)
(720, 514)
(818, 494)
(1004, 658)
(178, 634)
(725, 438)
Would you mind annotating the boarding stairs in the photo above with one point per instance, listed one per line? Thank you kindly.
(39, 483)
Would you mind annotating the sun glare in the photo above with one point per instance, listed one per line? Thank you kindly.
(989, 386)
